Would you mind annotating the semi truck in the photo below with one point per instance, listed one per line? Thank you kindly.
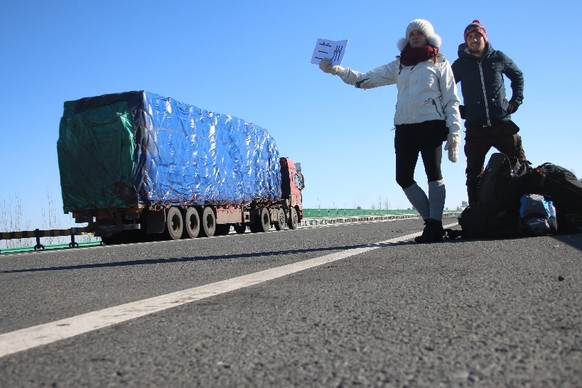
(137, 165)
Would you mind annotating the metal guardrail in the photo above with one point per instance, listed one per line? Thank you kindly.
(315, 213)
(350, 219)
(38, 234)
(383, 215)
(51, 247)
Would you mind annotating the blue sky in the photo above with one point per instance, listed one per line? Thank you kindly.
(252, 60)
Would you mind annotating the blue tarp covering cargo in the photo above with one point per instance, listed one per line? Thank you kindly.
(120, 150)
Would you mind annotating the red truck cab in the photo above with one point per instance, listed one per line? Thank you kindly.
(292, 182)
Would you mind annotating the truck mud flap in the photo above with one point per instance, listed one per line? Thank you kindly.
(155, 222)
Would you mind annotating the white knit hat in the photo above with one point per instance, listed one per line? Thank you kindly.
(425, 28)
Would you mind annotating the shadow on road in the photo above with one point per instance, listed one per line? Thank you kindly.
(573, 240)
(204, 258)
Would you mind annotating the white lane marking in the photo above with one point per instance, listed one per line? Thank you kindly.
(31, 337)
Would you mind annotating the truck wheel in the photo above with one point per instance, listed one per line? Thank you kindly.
(293, 220)
(174, 223)
(281, 220)
(208, 222)
(240, 228)
(262, 222)
(191, 223)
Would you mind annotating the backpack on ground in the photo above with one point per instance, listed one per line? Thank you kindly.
(483, 221)
(501, 184)
(496, 214)
(558, 184)
(537, 216)
(563, 188)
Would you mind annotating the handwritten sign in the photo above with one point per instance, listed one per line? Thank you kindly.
(332, 49)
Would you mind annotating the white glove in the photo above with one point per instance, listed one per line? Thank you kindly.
(453, 143)
(326, 66)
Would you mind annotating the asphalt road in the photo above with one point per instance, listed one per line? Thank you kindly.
(337, 305)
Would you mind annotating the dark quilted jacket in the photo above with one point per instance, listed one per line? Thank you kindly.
(483, 88)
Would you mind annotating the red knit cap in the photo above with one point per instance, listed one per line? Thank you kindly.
(476, 26)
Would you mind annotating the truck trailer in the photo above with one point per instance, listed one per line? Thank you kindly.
(136, 165)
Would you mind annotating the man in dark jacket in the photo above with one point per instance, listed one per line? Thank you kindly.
(486, 110)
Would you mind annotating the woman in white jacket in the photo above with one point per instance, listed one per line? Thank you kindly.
(427, 114)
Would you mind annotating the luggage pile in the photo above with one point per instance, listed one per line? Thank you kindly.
(516, 200)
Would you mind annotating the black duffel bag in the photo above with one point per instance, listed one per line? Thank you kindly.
(563, 188)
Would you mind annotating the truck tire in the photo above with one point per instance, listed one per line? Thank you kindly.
(207, 222)
(191, 223)
(240, 228)
(293, 220)
(281, 220)
(262, 221)
(174, 223)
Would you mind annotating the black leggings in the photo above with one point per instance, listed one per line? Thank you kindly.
(425, 138)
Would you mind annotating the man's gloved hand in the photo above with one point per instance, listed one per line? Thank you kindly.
(512, 107)
(326, 66)
(452, 145)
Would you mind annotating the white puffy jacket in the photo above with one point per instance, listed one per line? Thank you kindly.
(426, 91)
